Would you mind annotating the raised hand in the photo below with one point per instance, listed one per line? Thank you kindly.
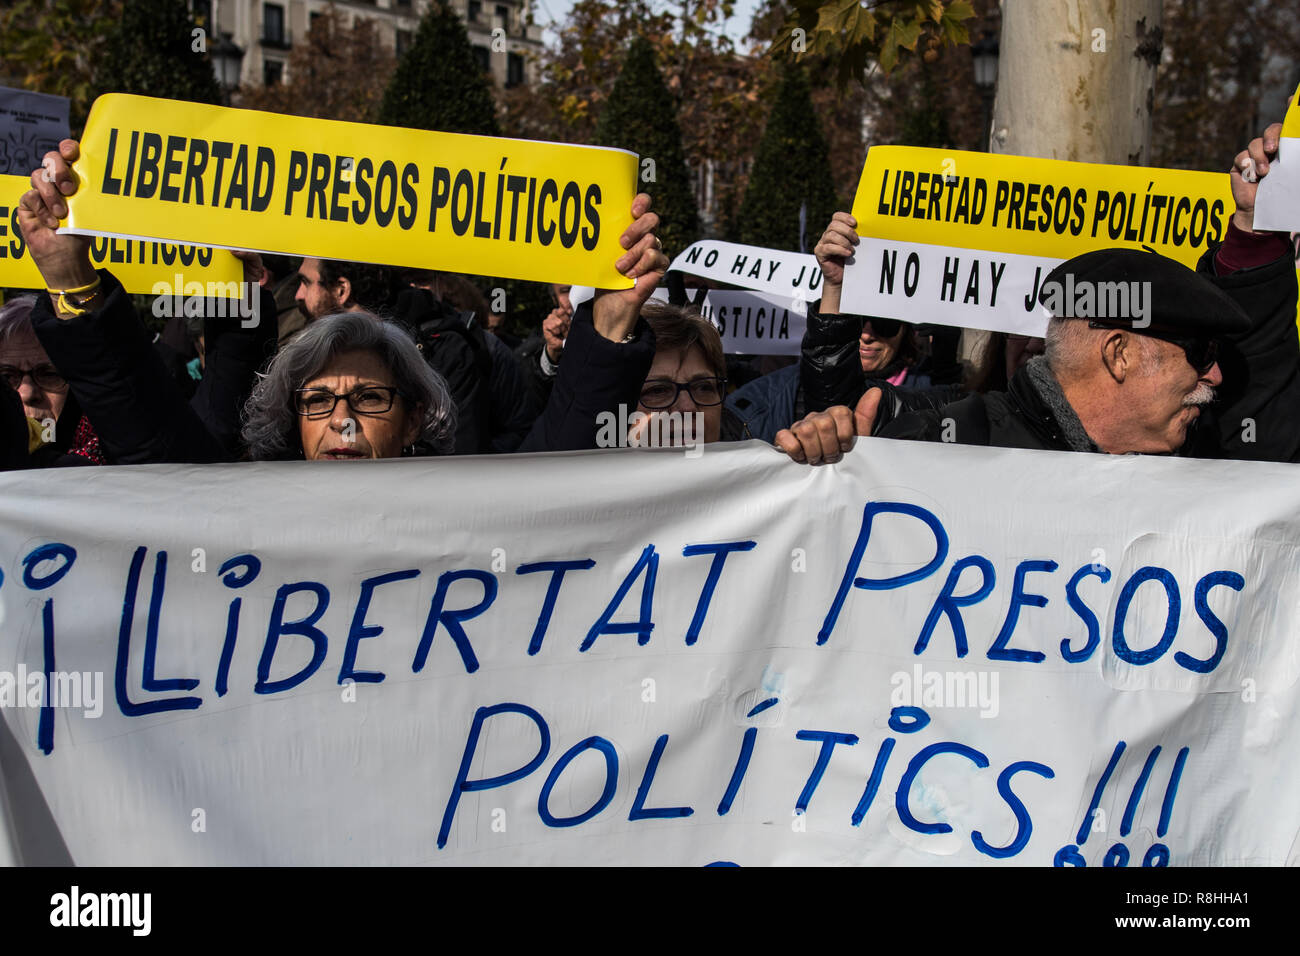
(555, 329)
(63, 261)
(614, 313)
(835, 247)
(1250, 166)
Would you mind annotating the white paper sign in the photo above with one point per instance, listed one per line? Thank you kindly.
(924, 654)
(944, 285)
(788, 274)
(749, 323)
(1277, 200)
(753, 323)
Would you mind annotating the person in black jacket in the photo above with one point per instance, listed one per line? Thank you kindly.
(609, 349)
(505, 408)
(55, 432)
(15, 431)
(1133, 383)
(539, 355)
(89, 328)
(842, 355)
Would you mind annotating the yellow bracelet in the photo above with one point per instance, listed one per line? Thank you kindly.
(85, 288)
(65, 305)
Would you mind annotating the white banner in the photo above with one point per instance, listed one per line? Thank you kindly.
(922, 655)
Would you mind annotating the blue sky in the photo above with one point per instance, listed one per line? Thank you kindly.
(549, 11)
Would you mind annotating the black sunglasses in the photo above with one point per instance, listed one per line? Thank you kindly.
(882, 328)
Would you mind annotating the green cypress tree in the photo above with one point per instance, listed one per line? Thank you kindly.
(641, 116)
(790, 196)
(438, 84)
(154, 50)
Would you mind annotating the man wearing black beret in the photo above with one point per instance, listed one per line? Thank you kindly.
(1138, 347)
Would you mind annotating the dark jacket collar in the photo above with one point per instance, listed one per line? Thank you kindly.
(1036, 412)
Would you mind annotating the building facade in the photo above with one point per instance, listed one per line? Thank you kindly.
(252, 39)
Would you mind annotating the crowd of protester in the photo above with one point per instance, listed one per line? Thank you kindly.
(352, 360)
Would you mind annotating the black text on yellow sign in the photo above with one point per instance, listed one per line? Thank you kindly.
(244, 179)
(1028, 206)
(140, 266)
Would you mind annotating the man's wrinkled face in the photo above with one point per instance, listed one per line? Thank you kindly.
(314, 298)
(1169, 395)
(23, 352)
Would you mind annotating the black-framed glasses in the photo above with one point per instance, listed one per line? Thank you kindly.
(45, 377)
(662, 393)
(363, 400)
(1202, 352)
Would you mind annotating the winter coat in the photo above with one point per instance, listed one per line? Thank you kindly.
(512, 406)
(596, 377)
(528, 356)
(1017, 418)
(136, 408)
(1256, 413)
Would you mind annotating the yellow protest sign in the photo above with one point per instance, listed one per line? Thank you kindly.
(144, 267)
(1291, 124)
(965, 239)
(242, 179)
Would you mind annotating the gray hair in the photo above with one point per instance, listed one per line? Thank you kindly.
(1068, 346)
(16, 318)
(270, 421)
(1071, 348)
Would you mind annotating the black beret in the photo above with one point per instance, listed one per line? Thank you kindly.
(1144, 290)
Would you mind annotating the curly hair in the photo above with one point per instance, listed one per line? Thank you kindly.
(270, 429)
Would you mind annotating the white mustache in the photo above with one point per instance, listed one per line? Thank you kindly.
(1202, 395)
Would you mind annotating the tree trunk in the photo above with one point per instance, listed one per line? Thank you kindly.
(1076, 79)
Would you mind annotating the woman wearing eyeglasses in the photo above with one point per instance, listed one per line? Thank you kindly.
(682, 397)
(348, 388)
(840, 356)
(56, 432)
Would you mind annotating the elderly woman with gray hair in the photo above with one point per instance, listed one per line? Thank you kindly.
(348, 387)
